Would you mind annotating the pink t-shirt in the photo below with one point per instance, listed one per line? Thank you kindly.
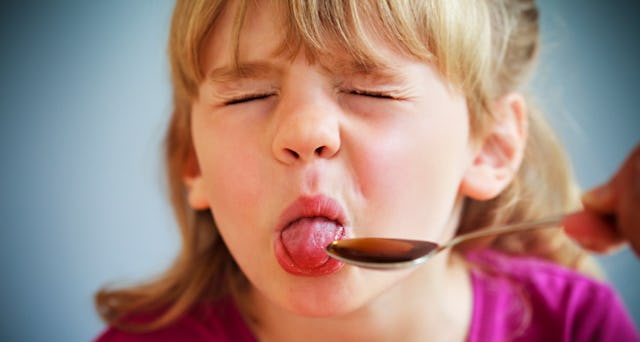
(526, 299)
(514, 299)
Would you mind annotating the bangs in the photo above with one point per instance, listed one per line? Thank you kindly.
(454, 36)
(354, 27)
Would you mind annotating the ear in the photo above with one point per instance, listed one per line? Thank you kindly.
(194, 183)
(498, 154)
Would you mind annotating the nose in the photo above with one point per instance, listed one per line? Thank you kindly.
(306, 130)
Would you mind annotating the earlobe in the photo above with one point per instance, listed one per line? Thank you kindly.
(194, 183)
(484, 182)
(196, 194)
(498, 155)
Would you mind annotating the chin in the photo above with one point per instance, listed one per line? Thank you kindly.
(326, 296)
(320, 306)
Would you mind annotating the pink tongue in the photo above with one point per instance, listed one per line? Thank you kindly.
(306, 239)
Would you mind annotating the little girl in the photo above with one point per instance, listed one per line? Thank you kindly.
(300, 122)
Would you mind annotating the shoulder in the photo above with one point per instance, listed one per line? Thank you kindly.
(549, 280)
(207, 322)
(543, 300)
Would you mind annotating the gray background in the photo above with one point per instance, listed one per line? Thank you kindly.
(83, 101)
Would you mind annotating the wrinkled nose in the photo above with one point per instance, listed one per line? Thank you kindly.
(306, 132)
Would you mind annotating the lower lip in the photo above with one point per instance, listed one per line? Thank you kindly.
(287, 263)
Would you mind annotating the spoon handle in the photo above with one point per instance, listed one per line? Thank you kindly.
(504, 229)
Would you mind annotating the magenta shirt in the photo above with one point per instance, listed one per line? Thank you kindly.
(514, 299)
(526, 299)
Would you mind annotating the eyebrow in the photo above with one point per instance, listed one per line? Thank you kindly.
(256, 70)
(243, 70)
(376, 70)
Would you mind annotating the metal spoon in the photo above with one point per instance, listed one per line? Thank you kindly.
(387, 253)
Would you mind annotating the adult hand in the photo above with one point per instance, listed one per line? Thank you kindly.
(611, 215)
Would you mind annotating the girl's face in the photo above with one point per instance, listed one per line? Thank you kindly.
(295, 153)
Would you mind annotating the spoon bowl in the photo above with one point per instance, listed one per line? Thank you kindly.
(388, 253)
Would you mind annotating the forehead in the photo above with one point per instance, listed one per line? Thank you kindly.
(250, 35)
(266, 30)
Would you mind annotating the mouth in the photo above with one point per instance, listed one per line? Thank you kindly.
(306, 228)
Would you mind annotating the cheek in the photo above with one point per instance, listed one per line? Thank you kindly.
(423, 167)
(230, 166)
(229, 160)
(410, 175)
(232, 180)
(235, 183)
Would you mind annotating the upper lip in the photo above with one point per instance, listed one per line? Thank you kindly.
(312, 206)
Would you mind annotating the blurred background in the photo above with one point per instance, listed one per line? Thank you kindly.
(84, 99)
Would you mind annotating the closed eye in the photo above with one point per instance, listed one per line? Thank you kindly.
(247, 98)
(371, 93)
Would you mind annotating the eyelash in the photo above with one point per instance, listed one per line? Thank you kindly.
(255, 97)
(247, 98)
(372, 93)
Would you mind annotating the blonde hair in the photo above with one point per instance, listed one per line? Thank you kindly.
(483, 48)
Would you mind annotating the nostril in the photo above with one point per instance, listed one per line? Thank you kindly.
(295, 154)
(319, 150)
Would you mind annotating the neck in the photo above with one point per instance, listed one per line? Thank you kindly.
(432, 303)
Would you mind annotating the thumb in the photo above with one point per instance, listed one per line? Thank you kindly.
(601, 199)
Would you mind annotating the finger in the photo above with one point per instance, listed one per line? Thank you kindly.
(593, 232)
(628, 211)
(602, 199)
(605, 198)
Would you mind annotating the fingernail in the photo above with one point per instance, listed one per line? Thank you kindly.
(586, 242)
(599, 197)
(583, 241)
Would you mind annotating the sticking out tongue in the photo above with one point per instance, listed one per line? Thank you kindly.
(306, 239)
